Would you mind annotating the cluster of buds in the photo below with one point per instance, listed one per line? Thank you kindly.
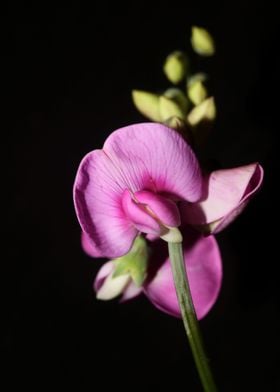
(186, 106)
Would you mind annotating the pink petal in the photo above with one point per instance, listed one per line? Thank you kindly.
(137, 214)
(98, 192)
(102, 274)
(89, 246)
(154, 157)
(204, 269)
(226, 193)
(165, 209)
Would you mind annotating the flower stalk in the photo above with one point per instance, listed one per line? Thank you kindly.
(189, 316)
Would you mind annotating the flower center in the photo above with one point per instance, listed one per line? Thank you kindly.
(150, 212)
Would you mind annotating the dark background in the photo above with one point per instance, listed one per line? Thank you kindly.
(66, 79)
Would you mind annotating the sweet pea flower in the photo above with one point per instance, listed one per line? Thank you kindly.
(133, 185)
(147, 180)
(204, 268)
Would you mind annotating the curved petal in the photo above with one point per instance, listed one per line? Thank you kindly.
(154, 157)
(88, 246)
(131, 291)
(97, 196)
(204, 267)
(164, 208)
(226, 193)
(108, 288)
(139, 216)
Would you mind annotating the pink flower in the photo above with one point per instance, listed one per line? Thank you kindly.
(147, 180)
(133, 185)
(204, 269)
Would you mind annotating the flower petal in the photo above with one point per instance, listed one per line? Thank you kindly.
(165, 209)
(226, 193)
(204, 269)
(98, 190)
(137, 214)
(107, 287)
(131, 291)
(154, 157)
(89, 246)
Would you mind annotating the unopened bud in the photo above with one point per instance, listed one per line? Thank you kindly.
(202, 41)
(175, 67)
(147, 103)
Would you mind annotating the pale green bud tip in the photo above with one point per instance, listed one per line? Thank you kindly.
(175, 67)
(147, 103)
(197, 92)
(169, 108)
(173, 235)
(205, 111)
(202, 41)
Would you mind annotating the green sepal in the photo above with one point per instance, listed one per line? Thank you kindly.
(134, 263)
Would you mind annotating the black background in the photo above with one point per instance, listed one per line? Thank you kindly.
(67, 74)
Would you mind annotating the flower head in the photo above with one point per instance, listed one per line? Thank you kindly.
(146, 179)
(133, 185)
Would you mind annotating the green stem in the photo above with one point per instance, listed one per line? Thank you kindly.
(189, 316)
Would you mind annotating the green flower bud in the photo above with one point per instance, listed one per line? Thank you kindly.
(175, 67)
(197, 92)
(179, 97)
(169, 108)
(202, 42)
(205, 111)
(147, 103)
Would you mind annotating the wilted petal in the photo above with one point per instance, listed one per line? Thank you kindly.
(226, 193)
(204, 269)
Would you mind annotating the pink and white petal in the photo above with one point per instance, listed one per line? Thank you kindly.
(102, 274)
(98, 192)
(108, 287)
(225, 193)
(165, 209)
(131, 291)
(154, 157)
(204, 268)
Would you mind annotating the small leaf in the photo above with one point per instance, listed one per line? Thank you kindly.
(169, 108)
(175, 67)
(202, 41)
(147, 103)
(205, 111)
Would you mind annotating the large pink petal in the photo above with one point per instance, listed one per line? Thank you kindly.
(154, 157)
(226, 193)
(98, 192)
(89, 246)
(204, 269)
